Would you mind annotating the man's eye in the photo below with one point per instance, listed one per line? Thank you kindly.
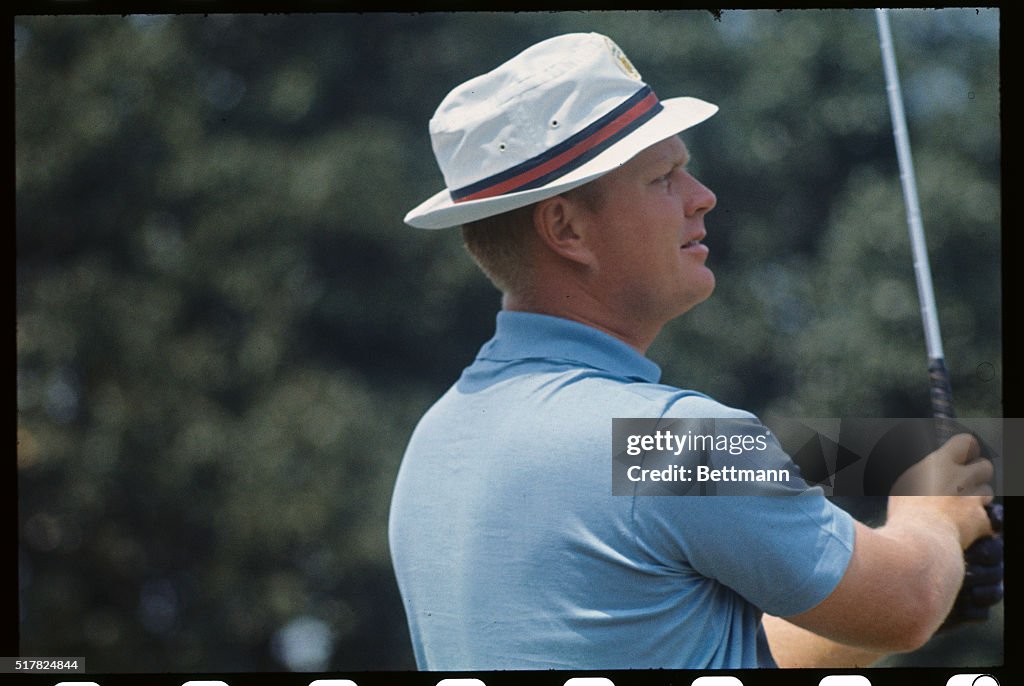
(667, 176)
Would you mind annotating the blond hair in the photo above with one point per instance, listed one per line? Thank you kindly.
(501, 246)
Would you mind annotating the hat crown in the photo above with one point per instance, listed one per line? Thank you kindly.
(529, 105)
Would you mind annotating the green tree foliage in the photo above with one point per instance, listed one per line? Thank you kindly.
(225, 333)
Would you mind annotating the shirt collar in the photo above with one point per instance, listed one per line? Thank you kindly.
(522, 335)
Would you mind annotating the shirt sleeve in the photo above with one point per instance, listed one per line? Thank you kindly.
(782, 553)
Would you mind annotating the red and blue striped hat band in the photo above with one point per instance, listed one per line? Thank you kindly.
(571, 153)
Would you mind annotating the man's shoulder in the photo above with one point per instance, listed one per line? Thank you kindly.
(685, 403)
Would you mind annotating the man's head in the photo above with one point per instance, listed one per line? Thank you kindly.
(569, 178)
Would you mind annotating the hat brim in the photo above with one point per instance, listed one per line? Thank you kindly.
(677, 115)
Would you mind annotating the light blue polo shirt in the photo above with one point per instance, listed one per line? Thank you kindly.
(512, 553)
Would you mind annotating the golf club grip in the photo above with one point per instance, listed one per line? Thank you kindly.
(942, 410)
(942, 399)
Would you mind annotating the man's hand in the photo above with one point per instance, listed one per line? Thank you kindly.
(964, 515)
(955, 468)
(983, 579)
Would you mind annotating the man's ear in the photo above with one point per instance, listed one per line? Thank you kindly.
(562, 227)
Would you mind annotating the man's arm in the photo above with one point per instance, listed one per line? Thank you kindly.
(902, 578)
(793, 646)
(900, 584)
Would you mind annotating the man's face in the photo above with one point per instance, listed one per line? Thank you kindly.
(645, 233)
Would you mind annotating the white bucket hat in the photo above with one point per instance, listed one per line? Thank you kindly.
(561, 113)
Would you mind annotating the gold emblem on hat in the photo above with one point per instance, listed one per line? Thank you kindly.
(620, 58)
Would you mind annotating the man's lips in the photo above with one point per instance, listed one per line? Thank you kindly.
(695, 244)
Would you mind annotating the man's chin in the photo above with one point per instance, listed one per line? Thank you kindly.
(706, 288)
(696, 298)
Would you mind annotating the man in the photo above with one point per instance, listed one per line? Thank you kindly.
(510, 550)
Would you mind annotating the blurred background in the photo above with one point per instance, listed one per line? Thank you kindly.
(225, 333)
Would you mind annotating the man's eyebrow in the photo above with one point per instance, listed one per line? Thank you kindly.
(674, 159)
(677, 162)
(684, 158)
(671, 159)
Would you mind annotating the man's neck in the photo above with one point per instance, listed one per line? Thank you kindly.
(580, 307)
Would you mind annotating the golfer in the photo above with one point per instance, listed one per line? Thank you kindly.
(569, 178)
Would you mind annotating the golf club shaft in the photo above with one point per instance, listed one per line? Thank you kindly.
(941, 391)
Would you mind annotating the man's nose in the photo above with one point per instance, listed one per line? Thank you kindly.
(699, 197)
